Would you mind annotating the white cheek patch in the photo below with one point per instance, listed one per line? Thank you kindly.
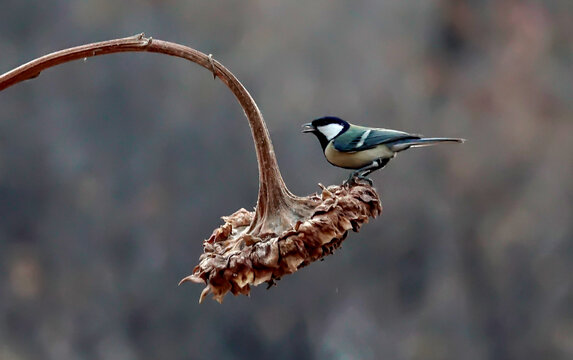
(331, 130)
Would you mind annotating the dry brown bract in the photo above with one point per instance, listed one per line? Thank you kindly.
(234, 259)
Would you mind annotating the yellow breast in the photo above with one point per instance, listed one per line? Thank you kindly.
(357, 159)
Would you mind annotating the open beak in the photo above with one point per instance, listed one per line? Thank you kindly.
(308, 128)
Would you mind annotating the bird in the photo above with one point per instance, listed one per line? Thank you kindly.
(363, 149)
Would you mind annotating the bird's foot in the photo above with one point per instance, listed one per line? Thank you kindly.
(350, 181)
(364, 178)
(353, 179)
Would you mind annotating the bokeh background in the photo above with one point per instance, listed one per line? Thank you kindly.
(113, 171)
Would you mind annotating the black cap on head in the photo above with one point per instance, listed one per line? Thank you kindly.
(323, 121)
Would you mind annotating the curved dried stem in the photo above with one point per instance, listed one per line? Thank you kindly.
(273, 193)
(286, 232)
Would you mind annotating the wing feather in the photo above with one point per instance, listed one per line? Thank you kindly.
(348, 142)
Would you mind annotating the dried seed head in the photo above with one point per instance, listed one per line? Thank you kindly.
(234, 259)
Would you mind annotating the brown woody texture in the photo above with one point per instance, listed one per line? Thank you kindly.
(234, 259)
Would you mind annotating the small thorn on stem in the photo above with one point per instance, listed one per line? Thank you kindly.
(212, 63)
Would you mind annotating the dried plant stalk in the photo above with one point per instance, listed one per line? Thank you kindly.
(285, 232)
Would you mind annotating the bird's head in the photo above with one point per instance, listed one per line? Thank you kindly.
(326, 128)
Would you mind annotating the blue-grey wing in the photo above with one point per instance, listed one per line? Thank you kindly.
(368, 138)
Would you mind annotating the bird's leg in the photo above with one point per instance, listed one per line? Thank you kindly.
(366, 170)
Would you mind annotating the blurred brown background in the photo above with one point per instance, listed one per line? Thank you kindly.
(113, 171)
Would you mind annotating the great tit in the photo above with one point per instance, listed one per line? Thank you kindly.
(362, 148)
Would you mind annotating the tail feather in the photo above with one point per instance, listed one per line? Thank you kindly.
(404, 144)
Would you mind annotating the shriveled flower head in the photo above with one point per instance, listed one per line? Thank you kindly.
(234, 259)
